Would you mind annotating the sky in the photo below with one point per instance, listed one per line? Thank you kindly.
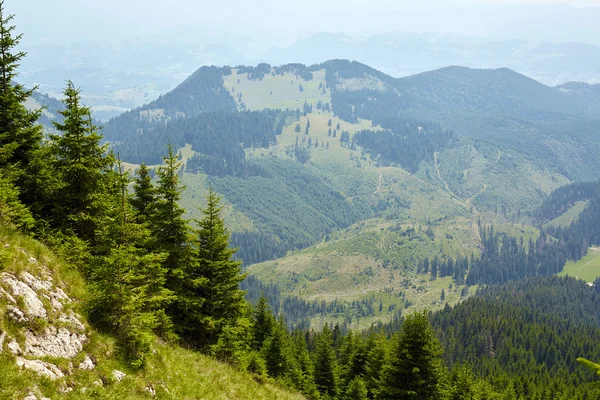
(66, 21)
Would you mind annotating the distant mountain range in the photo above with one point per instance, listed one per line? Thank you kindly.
(116, 78)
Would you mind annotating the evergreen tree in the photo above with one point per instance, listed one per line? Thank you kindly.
(20, 135)
(279, 358)
(306, 369)
(376, 361)
(144, 198)
(12, 211)
(128, 293)
(263, 322)
(215, 278)
(84, 168)
(414, 370)
(357, 390)
(326, 374)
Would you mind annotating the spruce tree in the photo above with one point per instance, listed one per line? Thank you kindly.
(278, 356)
(215, 278)
(84, 167)
(12, 211)
(20, 135)
(326, 374)
(127, 281)
(144, 198)
(414, 371)
(357, 390)
(171, 236)
(263, 322)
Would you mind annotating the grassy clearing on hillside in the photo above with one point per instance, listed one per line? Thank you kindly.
(569, 216)
(486, 176)
(184, 153)
(588, 268)
(279, 91)
(417, 293)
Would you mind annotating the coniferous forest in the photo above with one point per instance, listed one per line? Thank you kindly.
(151, 275)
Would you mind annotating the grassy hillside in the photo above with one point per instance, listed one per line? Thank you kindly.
(172, 372)
(587, 269)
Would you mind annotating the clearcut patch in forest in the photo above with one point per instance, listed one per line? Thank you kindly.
(587, 269)
(569, 216)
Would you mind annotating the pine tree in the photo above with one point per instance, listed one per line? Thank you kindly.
(326, 374)
(215, 276)
(357, 390)
(84, 167)
(376, 360)
(20, 135)
(144, 198)
(279, 358)
(170, 233)
(12, 211)
(127, 281)
(306, 369)
(263, 322)
(415, 368)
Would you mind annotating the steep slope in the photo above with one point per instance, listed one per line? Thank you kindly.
(47, 349)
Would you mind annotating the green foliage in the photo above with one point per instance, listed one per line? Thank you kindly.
(326, 369)
(84, 169)
(144, 194)
(209, 296)
(357, 390)
(414, 371)
(263, 322)
(234, 346)
(128, 281)
(12, 211)
(20, 136)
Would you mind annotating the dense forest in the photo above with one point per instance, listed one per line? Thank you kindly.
(219, 138)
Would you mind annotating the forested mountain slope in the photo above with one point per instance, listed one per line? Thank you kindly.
(349, 160)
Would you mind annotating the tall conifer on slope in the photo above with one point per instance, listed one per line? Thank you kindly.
(171, 235)
(20, 135)
(326, 370)
(144, 197)
(84, 168)
(127, 280)
(223, 301)
(415, 369)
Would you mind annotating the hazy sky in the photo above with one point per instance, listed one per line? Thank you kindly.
(109, 20)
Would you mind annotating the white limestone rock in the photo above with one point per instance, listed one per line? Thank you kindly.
(16, 314)
(118, 375)
(2, 339)
(87, 364)
(54, 342)
(7, 296)
(35, 283)
(40, 367)
(14, 347)
(33, 304)
(72, 320)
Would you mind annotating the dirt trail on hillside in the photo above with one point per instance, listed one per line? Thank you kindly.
(438, 173)
(379, 183)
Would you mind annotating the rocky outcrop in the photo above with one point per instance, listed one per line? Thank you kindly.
(42, 368)
(27, 300)
(118, 375)
(59, 343)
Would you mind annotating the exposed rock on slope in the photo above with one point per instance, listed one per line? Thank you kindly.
(41, 321)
